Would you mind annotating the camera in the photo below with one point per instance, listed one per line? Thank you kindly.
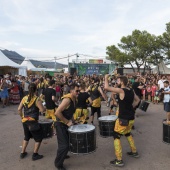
(161, 90)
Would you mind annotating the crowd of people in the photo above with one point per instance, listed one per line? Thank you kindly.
(66, 100)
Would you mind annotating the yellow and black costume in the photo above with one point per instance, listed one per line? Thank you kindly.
(124, 123)
(62, 132)
(30, 119)
(95, 96)
(81, 113)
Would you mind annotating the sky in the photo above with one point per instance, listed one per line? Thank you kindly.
(44, 29)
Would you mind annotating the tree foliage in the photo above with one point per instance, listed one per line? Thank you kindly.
(141, 48)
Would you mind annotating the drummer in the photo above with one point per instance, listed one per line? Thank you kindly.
(81, 114)
(95, 93)
(31, 104)
(64, 115)
(50, 98)
(127, 100)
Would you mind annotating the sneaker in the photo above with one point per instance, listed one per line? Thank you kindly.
(117, 162)
(135, 155)
(23, 155)
(36, 156)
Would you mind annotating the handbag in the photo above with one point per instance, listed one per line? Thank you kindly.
(34, 126)
(123, 122)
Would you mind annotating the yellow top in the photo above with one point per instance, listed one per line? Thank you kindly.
(29, 104)
(96, 102)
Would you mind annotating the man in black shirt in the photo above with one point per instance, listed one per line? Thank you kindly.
(127, 100)
(137, 86)
(50, 99)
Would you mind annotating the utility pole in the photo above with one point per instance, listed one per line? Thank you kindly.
(55, 58)
(68, 59)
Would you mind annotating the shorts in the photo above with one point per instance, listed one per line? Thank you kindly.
(81, 115)
(57, 94)
(94, 110)
(50, 114)
(156, 98)
(37, 135)
(167, 106)
(123, 130)
(4, 94)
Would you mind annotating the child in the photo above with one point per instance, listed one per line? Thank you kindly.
(149, 92)
(153, 88)
(156, 98)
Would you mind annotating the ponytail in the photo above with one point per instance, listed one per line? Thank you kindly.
(32, 89)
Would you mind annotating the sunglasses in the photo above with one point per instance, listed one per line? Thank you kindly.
(77, 91)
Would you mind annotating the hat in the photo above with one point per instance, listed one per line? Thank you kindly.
(6, 76)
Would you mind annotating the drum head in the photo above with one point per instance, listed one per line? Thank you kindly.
(81, 128)
(108, 118)
(44, 121)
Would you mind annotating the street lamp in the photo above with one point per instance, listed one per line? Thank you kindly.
(77, 56)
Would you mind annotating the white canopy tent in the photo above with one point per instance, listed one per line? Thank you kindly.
(6, 62)
(161, 68)
(28, 64)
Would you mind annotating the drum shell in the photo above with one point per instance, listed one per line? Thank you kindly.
(82, 142)
(106, 125)
(144, 106)
(166, 133)
(106, 128)
(46, 129)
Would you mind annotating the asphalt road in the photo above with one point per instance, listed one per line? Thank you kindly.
(154, 154)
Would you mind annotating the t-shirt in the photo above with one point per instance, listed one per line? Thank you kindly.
(161, 83)
(166, 96)
(135, 86)
(82, 97)
(48, 93)
(57, 89)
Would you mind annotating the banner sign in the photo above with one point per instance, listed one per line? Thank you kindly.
(94, 61)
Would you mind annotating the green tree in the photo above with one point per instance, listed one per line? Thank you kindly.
(166, 41)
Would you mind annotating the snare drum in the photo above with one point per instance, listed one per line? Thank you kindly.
(166, 133)
(106, 125)
(82, 138)
(47, 129)
(144, 106)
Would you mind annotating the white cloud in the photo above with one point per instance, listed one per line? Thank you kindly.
(51, 28)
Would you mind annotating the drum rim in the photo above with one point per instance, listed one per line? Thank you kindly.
(108, 120)
(69, 129)
(83, 153)
(44, 121)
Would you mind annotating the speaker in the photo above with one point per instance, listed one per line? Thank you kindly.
(120, 71)
(72, 71)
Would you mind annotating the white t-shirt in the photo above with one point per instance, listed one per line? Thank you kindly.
(161, 83)
(8, 82)
(166, 96)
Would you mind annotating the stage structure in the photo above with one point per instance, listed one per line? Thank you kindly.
(92, 67)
